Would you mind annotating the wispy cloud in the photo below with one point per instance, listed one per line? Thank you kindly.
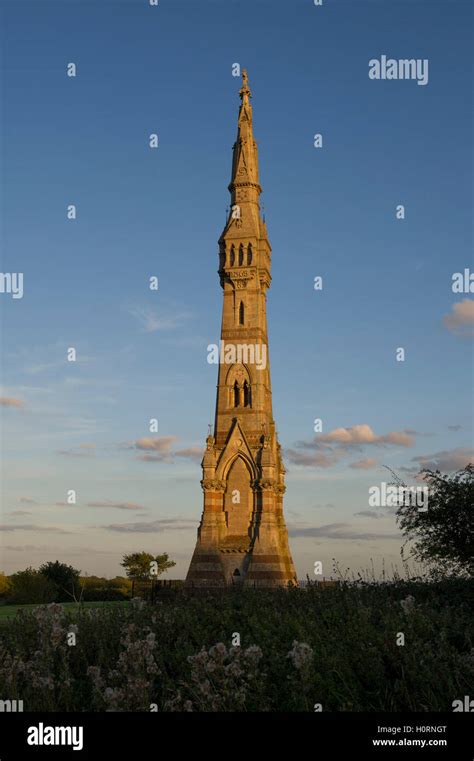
(366, 464)
(83, 450)
(191, 453)
(316, 460)
(151, 321)
(116, 505)
(60, 361)
(153, 527)
(32, 527)
(337, 531)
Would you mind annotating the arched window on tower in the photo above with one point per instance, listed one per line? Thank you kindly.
(249, 254)
(241, 313)
(241, 254)
(232, 256)
(236, 394)
(246, 394)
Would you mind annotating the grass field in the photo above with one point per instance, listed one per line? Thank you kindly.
(9, 611)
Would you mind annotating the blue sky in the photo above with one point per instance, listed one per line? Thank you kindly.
(144, 212)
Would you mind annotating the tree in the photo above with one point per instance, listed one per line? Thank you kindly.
(30, 586)
(443, 535)
(142, 566)
(64, 576)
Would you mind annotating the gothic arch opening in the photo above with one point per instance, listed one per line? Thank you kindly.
(241, 254)
(249, 254)
(232, 256)
(241, 313)
(238, 498)
(239, 387)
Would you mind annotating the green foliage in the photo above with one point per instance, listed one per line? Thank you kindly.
(5, 586)
(30, 586)
(443, 535)
(97, 588)
(334, 646)
(65, 577)
(142, 566)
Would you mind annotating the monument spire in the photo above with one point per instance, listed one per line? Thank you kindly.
(242, 537)
(245, 154)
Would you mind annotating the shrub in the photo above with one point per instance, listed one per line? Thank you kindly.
(30, 586)
(5, 586)
(104, 594)
(95, 588)
(65, 577)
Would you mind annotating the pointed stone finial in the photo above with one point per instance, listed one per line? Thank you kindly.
(245, 93)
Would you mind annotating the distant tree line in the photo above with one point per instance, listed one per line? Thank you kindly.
(58, 582)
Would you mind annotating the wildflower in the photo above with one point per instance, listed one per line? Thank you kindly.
(218, 650)
(408, 604)
(253, 654)
(301, 655)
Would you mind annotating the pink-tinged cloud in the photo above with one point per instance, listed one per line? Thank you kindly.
(358, 435)
(366, 464)
(9, 401)
(330, 447)
(449, 460)
(159, 446)
(461, 320)
(156, 443)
